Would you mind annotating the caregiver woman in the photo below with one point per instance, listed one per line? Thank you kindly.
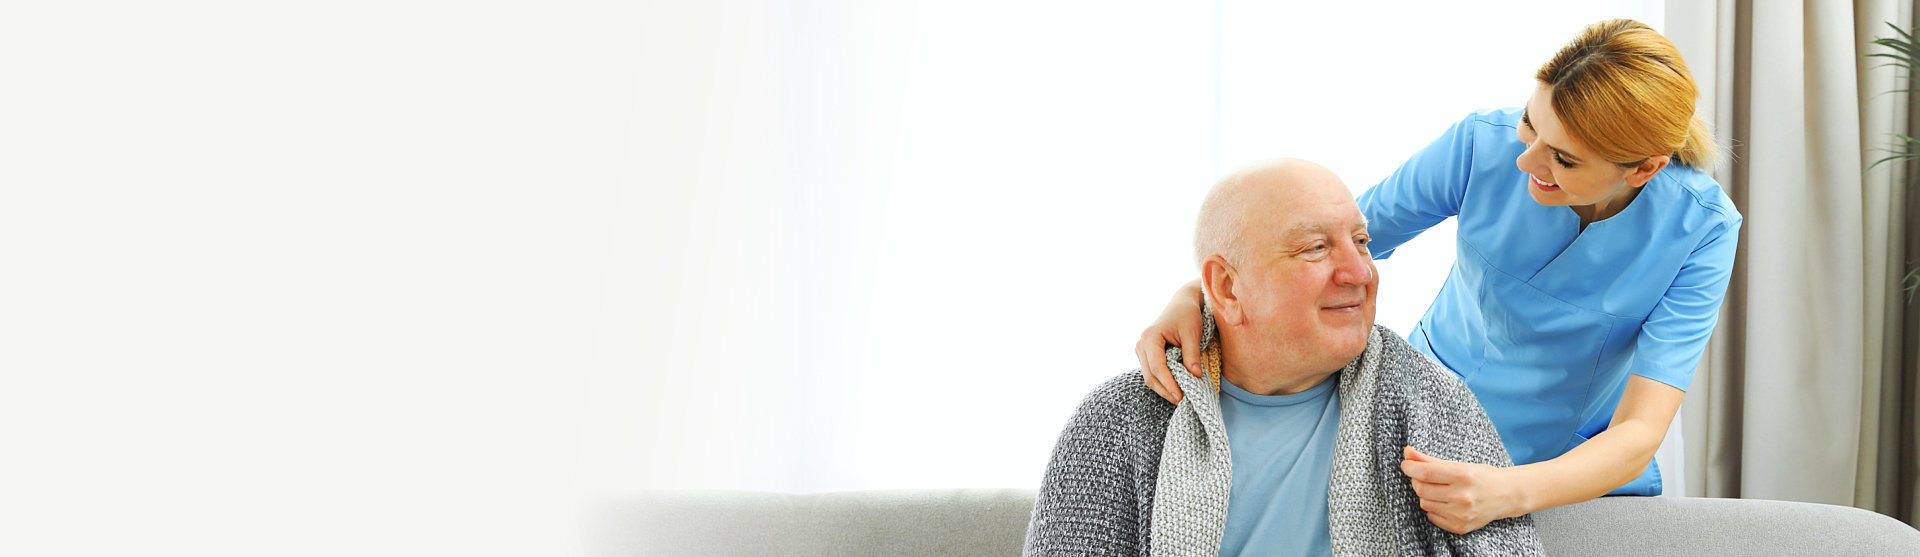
(1593, 253)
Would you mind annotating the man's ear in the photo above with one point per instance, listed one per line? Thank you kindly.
(1647, 168)
(1218, 278)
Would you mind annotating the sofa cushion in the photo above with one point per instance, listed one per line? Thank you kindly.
(1658, 526)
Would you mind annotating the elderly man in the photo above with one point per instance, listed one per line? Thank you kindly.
(1292, 444)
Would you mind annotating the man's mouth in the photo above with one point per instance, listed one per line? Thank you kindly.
(1542, 185)
(1343, 308)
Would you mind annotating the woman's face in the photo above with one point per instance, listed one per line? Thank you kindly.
(1565, 171)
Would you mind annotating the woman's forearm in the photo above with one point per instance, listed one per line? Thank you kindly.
(1602, 464)
(1190, 292)
(1611, 458)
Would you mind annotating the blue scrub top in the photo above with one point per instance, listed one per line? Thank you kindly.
(1542, 320)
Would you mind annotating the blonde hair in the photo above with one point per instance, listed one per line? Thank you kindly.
(1623, 90)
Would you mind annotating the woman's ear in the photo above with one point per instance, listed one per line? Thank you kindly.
(1217, 282)
(1639, 175)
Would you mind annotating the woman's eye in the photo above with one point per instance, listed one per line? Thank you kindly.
(1561, 161)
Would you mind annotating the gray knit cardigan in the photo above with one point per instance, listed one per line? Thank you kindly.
(1135, 475)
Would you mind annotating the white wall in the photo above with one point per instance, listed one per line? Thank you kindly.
(303, 279)
(890, 246)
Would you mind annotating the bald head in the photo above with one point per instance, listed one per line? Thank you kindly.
(1253, 198)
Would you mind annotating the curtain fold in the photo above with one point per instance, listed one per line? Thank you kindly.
(1807, 391)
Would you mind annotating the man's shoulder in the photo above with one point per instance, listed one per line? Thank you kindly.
(1402, 364)
(1435, 411)
(1123, 398)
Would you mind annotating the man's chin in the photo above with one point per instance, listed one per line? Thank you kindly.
(1347, 342)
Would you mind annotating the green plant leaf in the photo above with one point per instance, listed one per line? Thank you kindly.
(1903, 32)
(1905, 55)
(1911, 283)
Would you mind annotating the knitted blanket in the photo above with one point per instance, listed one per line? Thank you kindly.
(1371, 506)
(1132, 475)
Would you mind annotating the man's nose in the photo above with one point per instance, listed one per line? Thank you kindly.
(1353, 266)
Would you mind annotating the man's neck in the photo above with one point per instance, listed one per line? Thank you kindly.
(1268, 379)
(1269, 385)
(1256, 365)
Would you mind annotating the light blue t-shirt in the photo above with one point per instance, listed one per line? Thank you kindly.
(1282, 449)
(1545, 321)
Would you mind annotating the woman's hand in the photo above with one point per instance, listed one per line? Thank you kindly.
(1179, 325)
(1461, 497)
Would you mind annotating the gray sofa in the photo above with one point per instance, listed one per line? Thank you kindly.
(994, 521)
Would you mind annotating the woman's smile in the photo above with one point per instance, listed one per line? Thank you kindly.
(1541, 184)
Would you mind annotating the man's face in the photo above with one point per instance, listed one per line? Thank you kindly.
(1311, 279)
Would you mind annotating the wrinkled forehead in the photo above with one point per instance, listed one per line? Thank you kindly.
(1323, 217)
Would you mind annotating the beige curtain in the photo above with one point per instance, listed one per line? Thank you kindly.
(1807, 392)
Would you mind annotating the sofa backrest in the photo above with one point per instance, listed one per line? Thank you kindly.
(994, 522)
(731, 523)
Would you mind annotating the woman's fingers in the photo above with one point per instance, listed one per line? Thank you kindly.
(1420, 466)
(1439, 495)
(1438, 473)
(1154, 383)
(1189, 350)
(1180, 325)
(1172, 393)
(1448, 519)
(1419, 471)
(1152, 351)
(1459, 497)
(1140, 353)
(1447, 523)
(1433, 492)
(1445, 515)
(1443, 509)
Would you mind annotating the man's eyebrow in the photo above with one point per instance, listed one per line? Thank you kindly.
(1306, 228)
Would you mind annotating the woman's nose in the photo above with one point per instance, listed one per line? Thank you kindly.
(1529, 160)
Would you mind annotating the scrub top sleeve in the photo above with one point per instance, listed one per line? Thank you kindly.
(1422, 192)
(1675, 334)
